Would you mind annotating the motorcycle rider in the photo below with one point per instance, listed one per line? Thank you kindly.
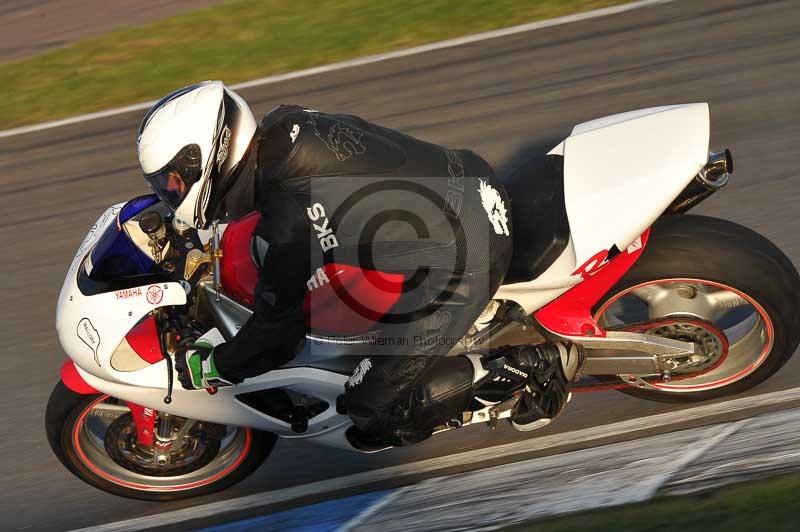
(305, 172)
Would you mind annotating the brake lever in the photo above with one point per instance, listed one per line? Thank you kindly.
(170, 377)
(170, 372)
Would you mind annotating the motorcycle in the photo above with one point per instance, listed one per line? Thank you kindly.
(664, 305)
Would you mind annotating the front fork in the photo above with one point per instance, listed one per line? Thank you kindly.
(144, 418)
(158, 431)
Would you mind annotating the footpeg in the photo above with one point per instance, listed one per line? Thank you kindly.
(299, 419)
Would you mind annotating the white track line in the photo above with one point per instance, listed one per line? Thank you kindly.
(464, 458)
(372, 510)
(356, 62)
(653, 484)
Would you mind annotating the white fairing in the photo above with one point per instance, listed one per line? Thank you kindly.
(223, 407)
(90, 328)
(620, 173)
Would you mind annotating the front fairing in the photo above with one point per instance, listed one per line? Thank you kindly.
(91, 327)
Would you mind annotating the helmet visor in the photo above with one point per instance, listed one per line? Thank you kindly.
(173, 181)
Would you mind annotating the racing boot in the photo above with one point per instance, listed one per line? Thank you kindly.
(538, 375)
(550, 369)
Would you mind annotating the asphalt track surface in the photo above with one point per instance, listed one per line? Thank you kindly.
(504, 98)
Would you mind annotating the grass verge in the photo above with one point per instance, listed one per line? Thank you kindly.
(772, 505)
(242, 40)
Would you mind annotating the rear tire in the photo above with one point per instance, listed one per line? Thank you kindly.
(719, 251)
(64, 410)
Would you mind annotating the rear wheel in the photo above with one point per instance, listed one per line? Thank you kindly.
(94, 436)
(715, 283)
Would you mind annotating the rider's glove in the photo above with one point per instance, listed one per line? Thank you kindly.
(196, 368)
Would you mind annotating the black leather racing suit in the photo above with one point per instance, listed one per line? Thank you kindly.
(335, 189)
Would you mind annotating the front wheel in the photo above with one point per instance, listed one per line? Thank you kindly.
(94, 436)
(715, 283)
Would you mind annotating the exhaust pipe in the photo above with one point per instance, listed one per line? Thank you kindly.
(712, 177)
(716, 172)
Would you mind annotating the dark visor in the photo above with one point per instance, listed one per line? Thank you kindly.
(174, 180)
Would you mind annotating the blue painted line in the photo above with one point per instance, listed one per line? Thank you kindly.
(326, 516)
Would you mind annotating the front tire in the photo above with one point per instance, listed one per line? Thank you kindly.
(79, 429)
(689, 257)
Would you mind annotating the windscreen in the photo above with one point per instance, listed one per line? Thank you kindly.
(116, 256)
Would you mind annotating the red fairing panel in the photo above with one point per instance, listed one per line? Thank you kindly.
(239, 273)
(571, 313)
(341, 299)
(145, 341)
(73, 380)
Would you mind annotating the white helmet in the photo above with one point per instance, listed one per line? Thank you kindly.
(191, 140)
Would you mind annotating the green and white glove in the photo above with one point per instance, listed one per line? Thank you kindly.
(196, 368)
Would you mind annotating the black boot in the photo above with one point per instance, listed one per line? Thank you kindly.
(550, 368)
(440, 397)
(538, 374)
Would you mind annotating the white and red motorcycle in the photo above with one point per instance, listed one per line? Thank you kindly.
(666, 306)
